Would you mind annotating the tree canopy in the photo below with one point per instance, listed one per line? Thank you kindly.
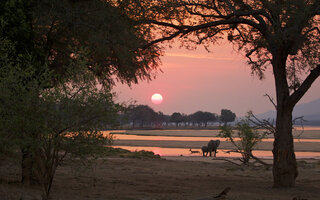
(203, 117)
(60, 31)
(227, 116)
(58, 63)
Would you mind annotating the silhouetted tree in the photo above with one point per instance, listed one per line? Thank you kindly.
(202, 117)
(49, 44)
(176, 118)
(227, 116)
(161, 118)
(49, 124)
(141, 114)
(283, 35)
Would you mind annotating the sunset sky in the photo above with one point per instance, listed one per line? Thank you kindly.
(198, 80)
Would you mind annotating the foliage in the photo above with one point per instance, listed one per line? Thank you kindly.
(110, 151)
(144, 116)
(203, 117)
(141, 155)
(49, 124)
(176, 117)
(58, 63)
(248, 138)
(227, 116)
(62, 28)
(141, 115)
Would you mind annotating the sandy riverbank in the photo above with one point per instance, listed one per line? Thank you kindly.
(167, 178)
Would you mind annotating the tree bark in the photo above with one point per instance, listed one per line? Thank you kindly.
(27, 168)
(284, 161)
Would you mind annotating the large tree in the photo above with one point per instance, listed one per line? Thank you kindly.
(281, 35)
(67, 28)
(67, 52)
(50, 124)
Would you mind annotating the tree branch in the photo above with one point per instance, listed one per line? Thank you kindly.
(271, 100)
(185, 29)
(161, 40)
(263, 124)
(298, 94)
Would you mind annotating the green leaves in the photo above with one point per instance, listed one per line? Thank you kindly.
(244, 138)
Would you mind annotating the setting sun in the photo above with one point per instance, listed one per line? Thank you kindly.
(156, 98)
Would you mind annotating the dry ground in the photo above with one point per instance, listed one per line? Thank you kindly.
(171, 178)
(154, 179)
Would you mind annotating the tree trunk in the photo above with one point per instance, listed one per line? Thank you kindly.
(27, 168)
(284, 161)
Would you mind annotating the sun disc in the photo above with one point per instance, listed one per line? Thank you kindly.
(156, 98)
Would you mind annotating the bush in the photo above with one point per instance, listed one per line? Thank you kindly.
(248, 138)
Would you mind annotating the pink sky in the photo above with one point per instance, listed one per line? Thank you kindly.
(198, 80)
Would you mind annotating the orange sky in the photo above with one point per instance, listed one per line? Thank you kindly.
(198, 80)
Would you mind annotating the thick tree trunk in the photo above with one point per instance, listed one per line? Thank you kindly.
(284, 161)
(27, 168)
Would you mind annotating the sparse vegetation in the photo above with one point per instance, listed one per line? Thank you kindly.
(140, 155)
(249, 138)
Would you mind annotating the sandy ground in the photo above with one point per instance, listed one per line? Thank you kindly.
(168, 178)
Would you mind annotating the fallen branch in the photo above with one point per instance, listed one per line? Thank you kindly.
(252, 156)
(260, 161)
(227, 161)
(223, 194)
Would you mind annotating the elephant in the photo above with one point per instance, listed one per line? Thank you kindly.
(205, 151)
(213, 146)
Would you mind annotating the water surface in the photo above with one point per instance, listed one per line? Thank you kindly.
(221, 152)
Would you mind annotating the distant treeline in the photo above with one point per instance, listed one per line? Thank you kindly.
(142, 116)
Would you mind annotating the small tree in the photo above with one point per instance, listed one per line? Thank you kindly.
(248, 138)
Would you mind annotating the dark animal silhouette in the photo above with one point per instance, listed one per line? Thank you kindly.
(205, 150)
(193, 151)
(213, 146)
